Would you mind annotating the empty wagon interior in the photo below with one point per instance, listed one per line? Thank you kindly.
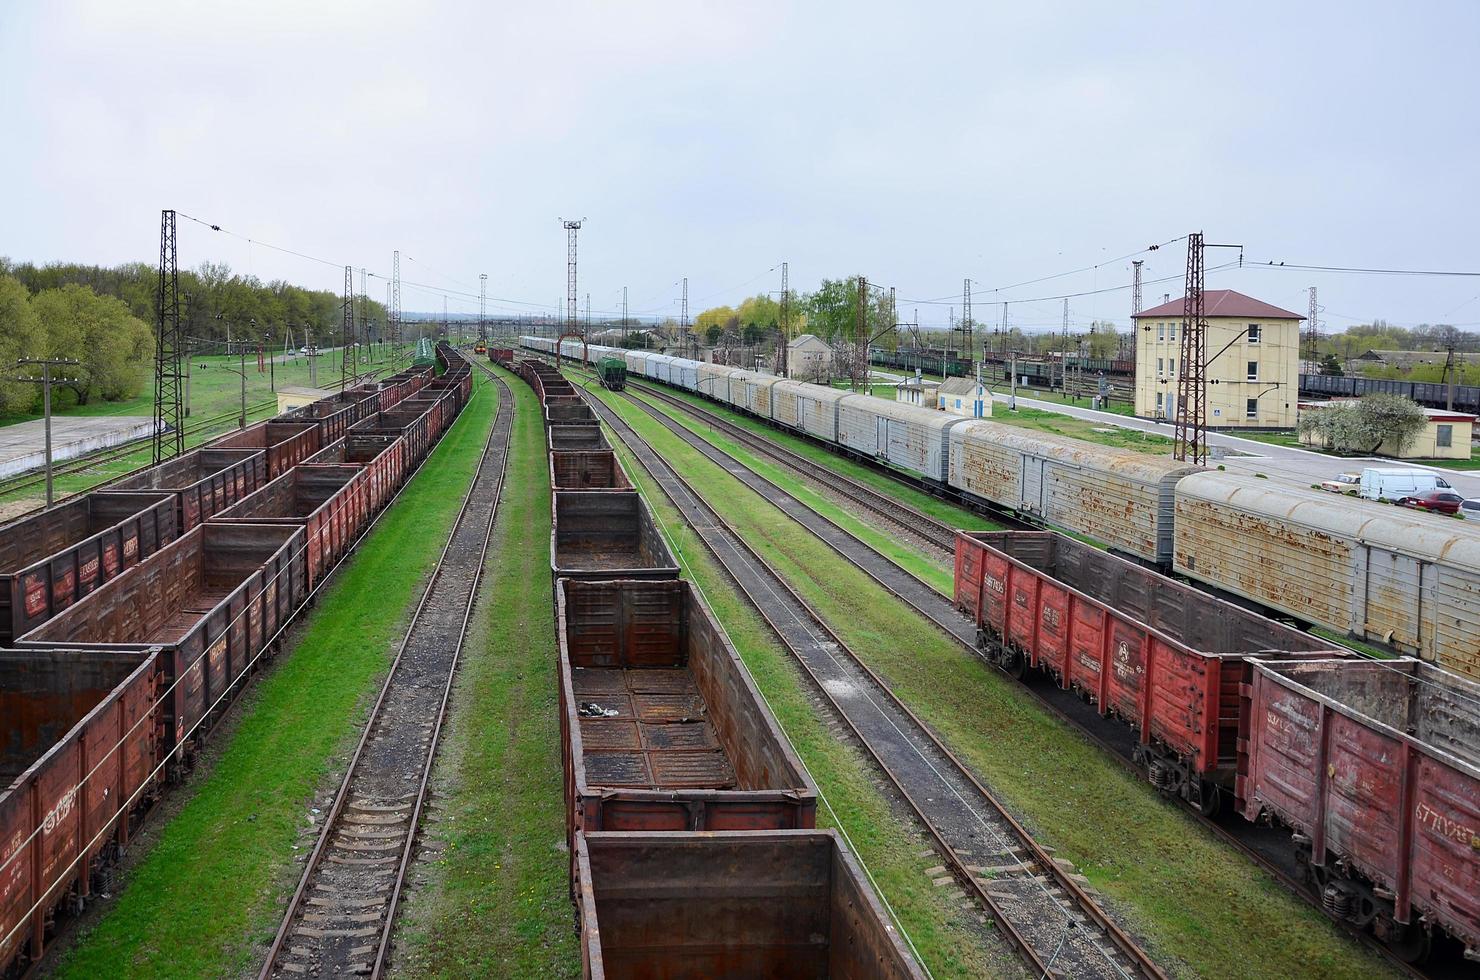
(577, 437)
(29, 540)
(773, 905)
(44, 693)
(1192, 617)
(659, 698)
(186, 471)
(606, 532)
(587, 470)
(1436, 707)
(294, 495)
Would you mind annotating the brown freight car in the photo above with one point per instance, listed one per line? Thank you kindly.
(54, 557)
(211, 601)
(661, 727)
(598, 535)
(331, 503)
(1166, 658)
(598, 470)
(413, 428)
(786, 905)
(572, 413)
(1376, 767)
(79, 753)
(286, 443)
(204, 481)
(577, 438)
(383, 457)
(337, 413)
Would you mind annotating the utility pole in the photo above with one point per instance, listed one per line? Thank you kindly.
(394, 313)
(860, 339)
(1314, 332)
(784, 345)
(46, 381)
(624, 312)
(683, 322)
(1136, 285)
(1192, 389)
(169, 413)
(363, 338)
(346, 333)
(588, 314)
(1064, 361)
(1448, 375)
(966, 332)
(482, 306)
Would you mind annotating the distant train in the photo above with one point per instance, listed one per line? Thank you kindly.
(1391, 577)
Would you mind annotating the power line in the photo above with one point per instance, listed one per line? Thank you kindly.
(1359, 271)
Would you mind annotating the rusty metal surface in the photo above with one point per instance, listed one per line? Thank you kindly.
(577, 437)
(54, 557)
(287, 443)
(661, 726)
(1377, 765)
(598, 470)
(606, 535)
(779, 904)
(79, 751)
(332, 503)
(383, 458)
(204, 481)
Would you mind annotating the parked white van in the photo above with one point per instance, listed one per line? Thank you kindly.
(1383, 484)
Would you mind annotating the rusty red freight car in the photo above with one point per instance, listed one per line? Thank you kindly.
(383, 458)
(204, 481)
(287, 443)
(558, 412)
(80, 753)
(661, 727)
(335, 414)
(785, 905)
(331, 503)
(1166, 658)
(1376, 767)
(598, 470)
(54, 557)
(577, 438)
(503, 356)
(412, 427)
(597, 535)
(211, 601)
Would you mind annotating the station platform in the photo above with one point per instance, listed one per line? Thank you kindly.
(23, 445)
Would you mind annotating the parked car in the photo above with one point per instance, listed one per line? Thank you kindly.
(1470, 509)
(1394, 484)
(1343, 483)
(1438, 501)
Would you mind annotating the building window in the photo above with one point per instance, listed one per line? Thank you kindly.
(1172, 333)
(1172, 366)
(1251, 408)
(1160, 363)
(1159, 397)
(1161, 331)
(1253, 333)
(1444, 437)
(1253, 370)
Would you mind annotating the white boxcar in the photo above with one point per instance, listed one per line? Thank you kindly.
(685, 373)
(1120, 498)
(714, 381)
(659, 367)
(811, 408)
(758, 390)
(739, 394)
(1408, 580)
(906, 436)
(637, 362)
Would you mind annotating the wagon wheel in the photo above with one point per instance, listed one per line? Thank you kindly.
(1413, 945)
(1211, 799)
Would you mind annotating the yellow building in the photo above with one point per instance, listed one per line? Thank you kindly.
(1253, 361)
(1447, 435)
(290, 397)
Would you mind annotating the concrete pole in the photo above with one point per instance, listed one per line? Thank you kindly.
(46, 411)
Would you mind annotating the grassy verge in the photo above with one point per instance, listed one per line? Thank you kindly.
(1102, 433)
(210, 892)
(894, 853)
(496, 901)
(1179, 886)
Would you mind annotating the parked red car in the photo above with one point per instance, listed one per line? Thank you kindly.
(1438, 501)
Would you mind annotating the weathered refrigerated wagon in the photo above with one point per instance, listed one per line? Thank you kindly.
(1166, 658)
(1390, 576)
(79, 754)
(598, 535)
(286, 443)
(204, 481)
(211, 601)
(1122, 499)
(1376, 767)
(52, 558)
(908, 437)
(808, 408)
(331, 504)
(781, 904)
(661, 727)
(597, 470)
(750, 391)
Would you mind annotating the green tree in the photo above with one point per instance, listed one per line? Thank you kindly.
(1365, 425)
(20, 336)
(832, 313)
(112, 344)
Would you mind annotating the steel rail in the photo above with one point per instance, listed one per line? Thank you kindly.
(292, 923)
(1051, 920)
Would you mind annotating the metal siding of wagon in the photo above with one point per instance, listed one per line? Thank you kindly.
(685, 373)
(241, 582)
(810, 408)
(51, 559)
(76, 720)
(606, 535)
(287, 443)
(204, 481)
(1383, 574)
(383, 458)
(713, 381)
(687, 716)
(790, 903)
(1376, 763)
(331, 504)
(905, 436)
(592, 470)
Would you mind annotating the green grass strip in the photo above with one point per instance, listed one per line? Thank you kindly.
(497, 901)
(1193, 897)
(208, 897)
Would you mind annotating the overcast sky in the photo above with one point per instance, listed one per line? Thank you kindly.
(917, 144)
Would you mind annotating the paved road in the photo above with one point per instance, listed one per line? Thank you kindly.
(1299, 466)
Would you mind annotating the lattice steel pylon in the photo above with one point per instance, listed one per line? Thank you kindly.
(572, 317)
(394, 313)
(1136, 286)
(1192, 408)
(1313, 330)
(169, 345)
(785, 339)
(347, 332)
(482, 306)
(966, 331)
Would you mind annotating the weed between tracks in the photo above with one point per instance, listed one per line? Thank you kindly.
(208, 896)
(941, 926)
(494, 901)
(1177, 885)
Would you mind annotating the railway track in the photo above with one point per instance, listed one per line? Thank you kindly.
(1052, 921)
(340, 918)
(1266, 847)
